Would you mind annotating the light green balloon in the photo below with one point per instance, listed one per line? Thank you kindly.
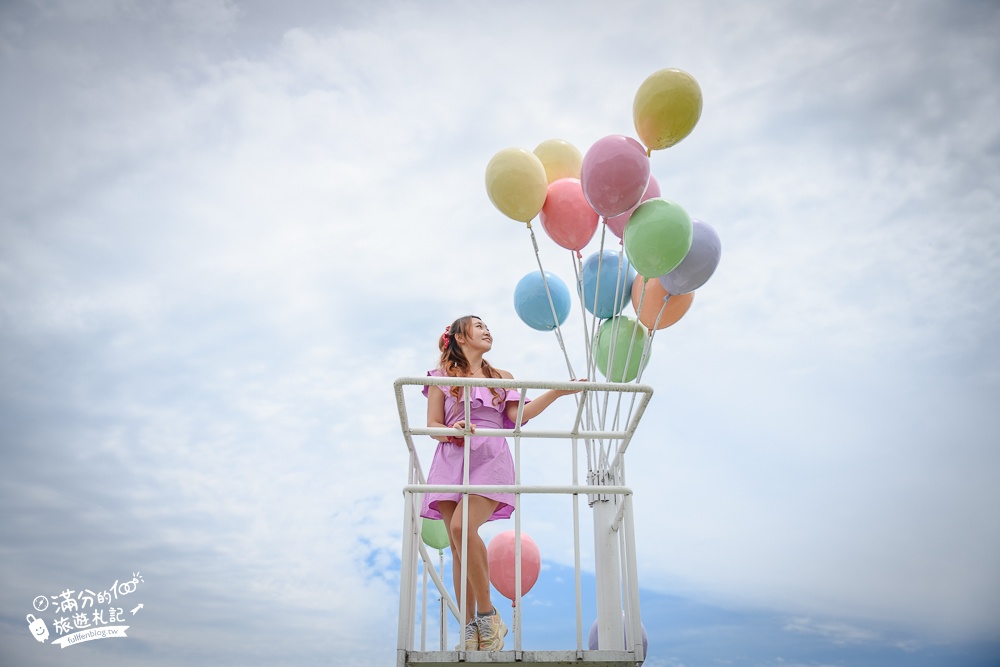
(630, 336)
(657, 237)
(434, 534)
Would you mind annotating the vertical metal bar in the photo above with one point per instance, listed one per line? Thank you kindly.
(517, 523)
(444, 620)
(423, 613)
(609, 596)
(633, 583)
(576, 549)
(467, 446)
(402, 631)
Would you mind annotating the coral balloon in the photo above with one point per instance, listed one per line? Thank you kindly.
(566, 216)
(620, 342)
(605, 283)
(516, 183)
(657, 237)
(617, 223)
(531, 300)
(614, 174)
(434, 534)
(700, 262)
(500, 556)
(666, 108)
(653, 302)
(561, 159)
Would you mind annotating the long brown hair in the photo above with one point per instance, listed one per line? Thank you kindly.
(454, 363)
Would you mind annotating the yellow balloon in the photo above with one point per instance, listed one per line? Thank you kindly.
(667, 106)
(516, 183)
(560, 158)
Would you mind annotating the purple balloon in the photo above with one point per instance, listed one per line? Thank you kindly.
(614, 174)
(617, 223)
(592, 642)
(699, 264)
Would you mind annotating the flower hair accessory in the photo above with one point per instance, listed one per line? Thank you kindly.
(445, 338)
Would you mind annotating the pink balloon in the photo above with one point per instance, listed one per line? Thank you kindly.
(500, 555)
(614, 174)
(617, 223)
(566, 216)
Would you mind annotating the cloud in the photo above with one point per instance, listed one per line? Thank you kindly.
(226, 229)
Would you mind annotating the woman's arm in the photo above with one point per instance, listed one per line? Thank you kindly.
(537, 405)
(435, 417)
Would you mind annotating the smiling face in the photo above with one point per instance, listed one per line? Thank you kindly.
(476, 336)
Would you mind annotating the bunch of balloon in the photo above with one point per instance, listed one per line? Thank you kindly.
(662, 257)
(501, 555)
(688, 254)
(435, 535)
(520, 183)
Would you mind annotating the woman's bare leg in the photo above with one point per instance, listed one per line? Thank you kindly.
(478, 570)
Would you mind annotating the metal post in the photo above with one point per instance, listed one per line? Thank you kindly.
(444, 622)
(607, 567)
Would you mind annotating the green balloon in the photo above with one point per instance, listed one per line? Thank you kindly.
(434, 534)
(657, 237)
(630, 336)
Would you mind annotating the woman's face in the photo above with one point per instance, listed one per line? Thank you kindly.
(477, 336)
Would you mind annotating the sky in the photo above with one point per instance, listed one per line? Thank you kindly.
(227, 227)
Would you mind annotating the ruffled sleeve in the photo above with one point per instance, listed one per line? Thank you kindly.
(436, 373)
(513, 396)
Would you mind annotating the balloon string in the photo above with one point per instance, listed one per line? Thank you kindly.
(628, 356)
(613, 346)
(647, 348)
(555, 317)
(592, 358)
(587, 415)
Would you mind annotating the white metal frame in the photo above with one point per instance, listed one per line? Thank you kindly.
(619, 623)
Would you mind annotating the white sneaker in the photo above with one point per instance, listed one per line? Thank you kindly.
(471, 637)
(492, 630)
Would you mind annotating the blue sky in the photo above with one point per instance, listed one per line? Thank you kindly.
(227, 227)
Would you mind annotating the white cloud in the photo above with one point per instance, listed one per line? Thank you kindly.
(217, 264)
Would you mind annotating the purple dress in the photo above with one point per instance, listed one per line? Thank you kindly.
(489, 461)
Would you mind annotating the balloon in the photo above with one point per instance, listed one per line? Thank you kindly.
(613, 280)
(657, 237)
(532, 303)
(500, 556)
(699, 264)
(434, 534)
(566, 216)
(617, 223)
(631, 338)
(666, 108)
(592, 640)
(652, 303)
(516, 183)
(561, 159)
(614, 174)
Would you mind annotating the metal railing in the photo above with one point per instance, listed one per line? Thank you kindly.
(611, 500)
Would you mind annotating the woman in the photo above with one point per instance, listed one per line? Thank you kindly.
(462, 346)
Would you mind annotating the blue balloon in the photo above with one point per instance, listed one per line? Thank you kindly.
(532, 303)
(606, 305)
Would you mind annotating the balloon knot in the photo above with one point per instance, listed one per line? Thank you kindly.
(528, 223)
(649, 152)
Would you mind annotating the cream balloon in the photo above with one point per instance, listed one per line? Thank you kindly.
(560, 158)
(516, 183)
